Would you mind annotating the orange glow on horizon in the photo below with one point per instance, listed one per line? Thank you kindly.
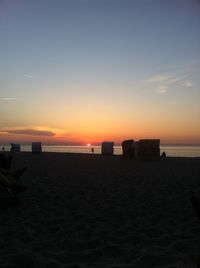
(175, 134)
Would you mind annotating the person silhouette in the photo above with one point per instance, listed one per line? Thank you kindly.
(92, 150)
(163, 154)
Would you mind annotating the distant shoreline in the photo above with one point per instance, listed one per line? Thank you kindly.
(100, 156)
(97, 145)
(172, 151)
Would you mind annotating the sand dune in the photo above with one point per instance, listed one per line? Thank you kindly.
(98, 211)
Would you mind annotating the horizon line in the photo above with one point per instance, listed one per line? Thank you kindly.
(95, 144)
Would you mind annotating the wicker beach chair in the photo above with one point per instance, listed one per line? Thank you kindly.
(148, 149)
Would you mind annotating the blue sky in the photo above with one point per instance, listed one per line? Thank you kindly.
(91, 62)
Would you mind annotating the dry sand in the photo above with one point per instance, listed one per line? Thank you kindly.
(98, 211)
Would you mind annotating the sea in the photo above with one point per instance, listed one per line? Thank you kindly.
(171, 150)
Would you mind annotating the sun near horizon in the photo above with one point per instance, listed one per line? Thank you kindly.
(80, 72)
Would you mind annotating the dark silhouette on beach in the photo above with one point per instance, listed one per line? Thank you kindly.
(128, 148)
(5, 161)
(10, 185)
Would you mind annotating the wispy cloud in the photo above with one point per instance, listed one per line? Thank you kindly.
(28, 76)
(187, 83)
(164, 82)
(167, 79)
(29, 132)
(162, 89)
(158, 78)
(7, 99)
(176, 79)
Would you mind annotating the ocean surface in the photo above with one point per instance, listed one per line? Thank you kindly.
(182, 151)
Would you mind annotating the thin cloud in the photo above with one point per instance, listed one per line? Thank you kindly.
(158, 78)
(28, 76)
(187, 84)
(7, 99)
(30, 132)
(176, 79)
(167, 79)
(162, 89)
(164, 82)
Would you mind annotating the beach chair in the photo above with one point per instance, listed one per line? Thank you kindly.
(36, 147)
(107, 148)
(148, 149)
(128, 148)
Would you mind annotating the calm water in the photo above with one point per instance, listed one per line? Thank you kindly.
(187, 151)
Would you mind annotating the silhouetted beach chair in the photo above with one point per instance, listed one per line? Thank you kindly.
(36, 147)
(107, 148)
(128, 148)
(148, 148)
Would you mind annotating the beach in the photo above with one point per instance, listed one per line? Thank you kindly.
(84, 210)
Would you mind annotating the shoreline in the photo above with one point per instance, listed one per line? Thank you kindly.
(96, 155)
(171, 151)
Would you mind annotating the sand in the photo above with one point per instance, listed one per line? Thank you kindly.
(102, 211)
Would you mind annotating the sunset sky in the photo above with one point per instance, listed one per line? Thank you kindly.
(79, 71)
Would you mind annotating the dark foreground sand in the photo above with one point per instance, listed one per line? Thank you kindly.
(97, 211)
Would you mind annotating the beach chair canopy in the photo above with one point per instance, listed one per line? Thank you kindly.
(148, 148)
(36, 147)
(107, 148)
(128, 148)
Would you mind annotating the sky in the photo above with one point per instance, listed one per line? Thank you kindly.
(79, 71)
